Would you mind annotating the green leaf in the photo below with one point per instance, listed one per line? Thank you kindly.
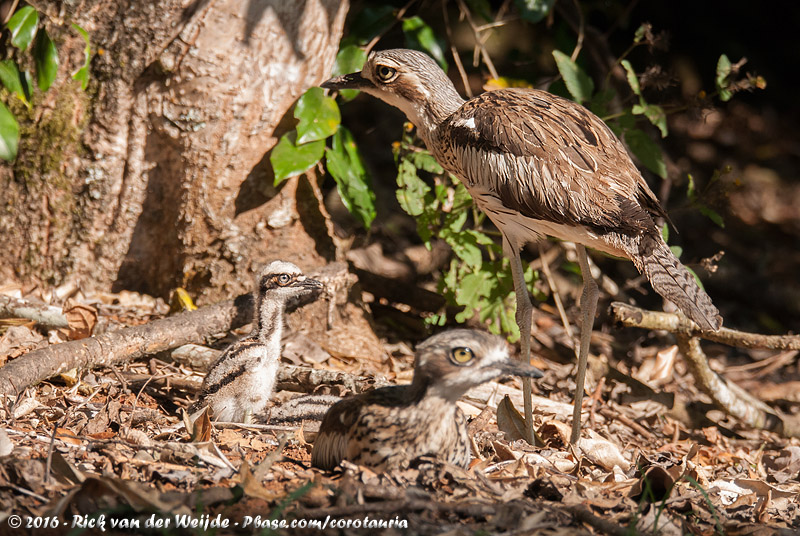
(647, 151)
(578, 82)
(349, 59)
(425, 160)
(723, 71)
(9, 75)
(411, 189)
(677, 251)
(9, 134)
(654, 113)
(45, 56)
(465, 246)
(633, 80)
(534, 10)
(352, 182)
(23, 26)
(639, 34)
(319, 116)
(82, 74)
(712, 215)
(421, 37)
(289, 159)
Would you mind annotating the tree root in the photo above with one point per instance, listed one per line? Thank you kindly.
(727, 396)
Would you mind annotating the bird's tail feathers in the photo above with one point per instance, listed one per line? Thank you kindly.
(674, 282)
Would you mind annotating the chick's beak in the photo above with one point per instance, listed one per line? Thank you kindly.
(347, 81)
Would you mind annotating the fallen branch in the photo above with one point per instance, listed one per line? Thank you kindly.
(726, 395)
(45, 315)
(306, 380)
(635, 317)
(124, 344)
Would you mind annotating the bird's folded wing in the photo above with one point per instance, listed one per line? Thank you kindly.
(550, 159)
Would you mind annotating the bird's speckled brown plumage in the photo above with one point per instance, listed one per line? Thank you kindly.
(537, 164)
(388, 427)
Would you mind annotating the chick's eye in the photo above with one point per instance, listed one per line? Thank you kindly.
(462, 355)
(385, 73)
(284, 279)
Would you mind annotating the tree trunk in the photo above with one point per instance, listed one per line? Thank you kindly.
(157, 176)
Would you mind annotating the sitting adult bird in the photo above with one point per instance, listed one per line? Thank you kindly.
(240, 382)
(388, 427)
(538, 164)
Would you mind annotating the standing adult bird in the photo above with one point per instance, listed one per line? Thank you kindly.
(388, 427)
(538, 164)
(239, 384)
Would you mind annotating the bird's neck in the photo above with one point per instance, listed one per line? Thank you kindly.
(268, 324)
(425, 391)
(425, 107)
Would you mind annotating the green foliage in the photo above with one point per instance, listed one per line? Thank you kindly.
(578, 83)
(481, 286)
(82, 74)
(352, 182)
(45, 56)
(23, 27)
(654, 113)
(9, 134)
(534, 10)
(318, 116)
(11, 79)
(349, 59)
(695, 198)
(723, 72)
(646, 150)
(289, 159)
(301, 149)
(421, 37)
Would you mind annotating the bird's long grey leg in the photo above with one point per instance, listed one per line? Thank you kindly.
(523, 317)
(589, 307)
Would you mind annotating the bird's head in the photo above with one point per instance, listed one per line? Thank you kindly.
(283, 282)
(408, 80)
(454, 361)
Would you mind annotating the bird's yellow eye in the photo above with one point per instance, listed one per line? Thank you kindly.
(385, 73)
(462, 355)
(284, 279)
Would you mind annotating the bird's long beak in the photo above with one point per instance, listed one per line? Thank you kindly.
(513, 368)
(347, 81)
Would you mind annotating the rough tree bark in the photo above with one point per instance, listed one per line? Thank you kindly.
(157, 176)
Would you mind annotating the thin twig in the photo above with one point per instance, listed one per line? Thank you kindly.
(454, 52)
(581, 31)
(479, 40)
(397, 17)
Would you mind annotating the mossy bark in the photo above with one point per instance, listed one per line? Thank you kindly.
(158, 176)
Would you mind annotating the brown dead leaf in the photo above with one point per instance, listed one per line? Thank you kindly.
(784, 466)
(251, 485)
(104, 493)
(6, 444)
(67, 436)
(81, 319)
(603, 452)
(657, 371)
(16, 341)
(509, 420)
(201, 427)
